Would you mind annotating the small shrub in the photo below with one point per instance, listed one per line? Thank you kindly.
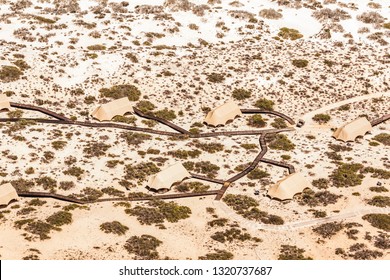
(140, 171)
(10, 73)
(218, 255)
(230, 235)
(270, 14)
(380, 201)
(215, 77)
(60, 218)
(114, 227)
(218, 222)
(321, 118)
(145, 106)
(257, 174)
(289, 33)
(240, 202)
(74, 171)
(58, 145)
(383, 138)
(281, 142)
(381, 221)
(279, 123)
(95, 149)
(300, 63)
(264, 104)
(96, 48)
(241, 94)
(119, 91)
(288, 252)
(256, 121)
(135, 138)
(144, 246)
(346, 175)
(328, 230)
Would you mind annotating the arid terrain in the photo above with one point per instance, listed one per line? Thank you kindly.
(322, 62)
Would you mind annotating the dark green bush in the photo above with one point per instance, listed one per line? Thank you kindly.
(140, 171)
(60, 218)
(346, 175)
(241, 94)
(135, 138)
(321, 118)
(119, 91)
(216, 77)
(288, 252)
(380, 201)
(218, 255)
(289, 33)
(10, 73)
(328, 230)
(256, 121)
(264, 104)
(280, 142)
(381, 221)
(144, 246)
(204, 167)
(114, 227)
(383, 138)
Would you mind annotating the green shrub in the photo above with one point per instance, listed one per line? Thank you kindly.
(114, 227)
(289, 33)
(16, 114)
(381, 221)
(96, 47)
(10, 73)
(133, 58)
(22, 185)
(144, 246)
(256, 121)
(159, 211)
(95, 149)
(21, 64)
(218, 222)
(264, 104)
(327, 230)
(249, 146)
(321, 118)
(44, 20)
(58, 145)
(281, 142)
(183, 154)
(89, 194)
(279, 123)
(113, 192)
(36, 202)
(300, 63)
(165, 114)
(204, 167)
(218, 255)
(216, 77)
(60, 218)
(321, 183)
(378, 189)
(195, 187)
(241, 94)
(145, 106)
(230, 235)
(119, 91)
(380, 201)
(41, 229)
(208, 147)
(74, 171)
(135, 138)
(46, 182)
(124, 119)
(383, 138)
(288, 252)
(312, 199)
(257, 174)
(240, 202)
(140, 171)
(346, 175)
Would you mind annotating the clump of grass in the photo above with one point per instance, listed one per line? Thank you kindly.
(114, 227)
(230, 235)
(220, 222)
(184, 154)
(208, 147)
(74, 171)
(257, 174)
(144, 246)
(119, 91)
(145, 106)
(40, 228)
(279, 123)
(166, 114)
(289, 33)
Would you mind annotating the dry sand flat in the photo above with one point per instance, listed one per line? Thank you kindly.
(168, 49)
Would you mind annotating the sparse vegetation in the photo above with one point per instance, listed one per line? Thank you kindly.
(218, 255)
(328, 230)
(381, 221)
(289, 252)
(289, 33)
(241, 94)
(119, 91)
(144, 247)
(10, 73)
(114, 227)
(321, 118)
